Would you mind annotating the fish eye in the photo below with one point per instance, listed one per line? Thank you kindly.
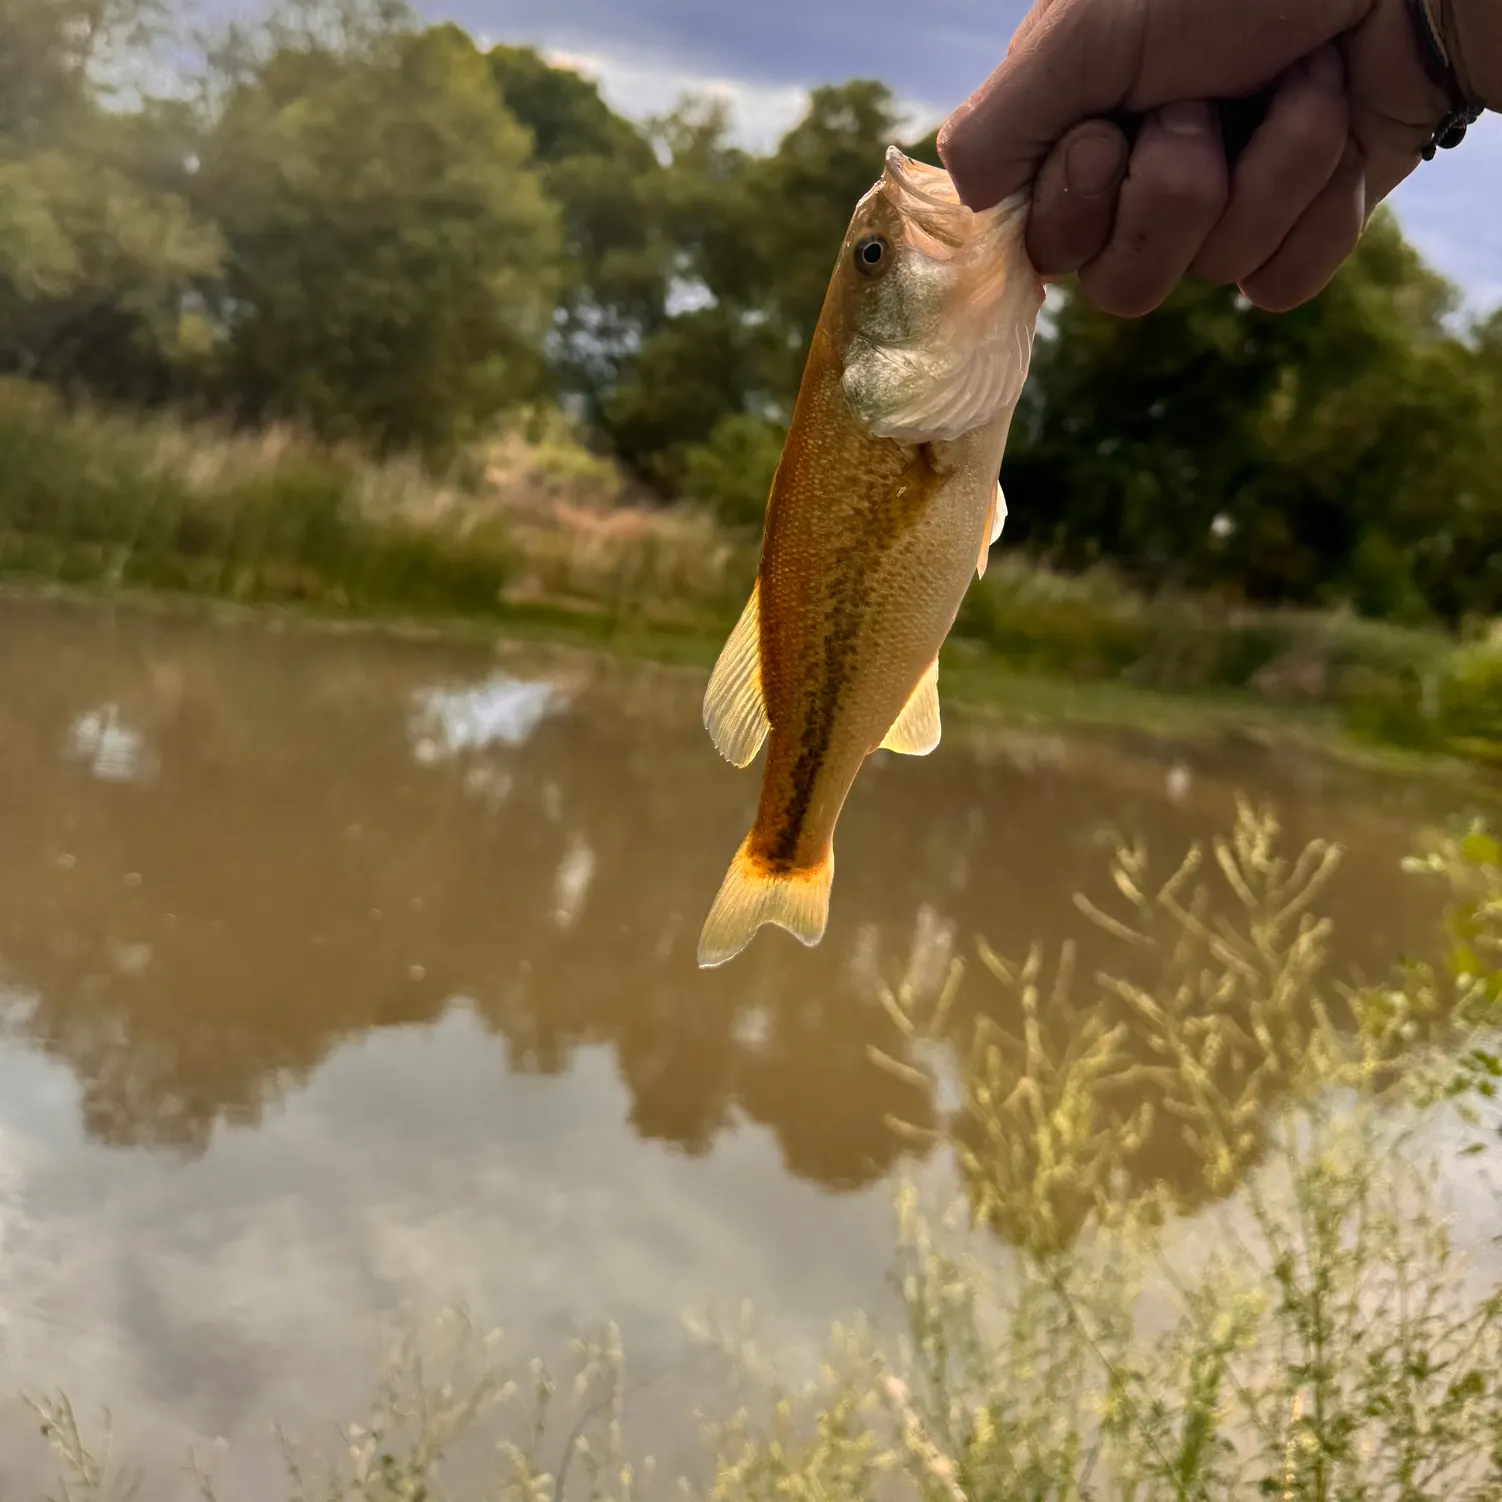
(871, 253)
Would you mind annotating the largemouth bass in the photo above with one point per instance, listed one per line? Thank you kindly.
(885, 500)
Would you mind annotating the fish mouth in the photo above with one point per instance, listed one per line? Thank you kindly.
(931, 186)
(934, 219)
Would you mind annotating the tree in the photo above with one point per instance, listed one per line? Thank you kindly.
(689, 376)
(1311, 457)
(51, 56)
(392, 259)
(96, 272)
(802, 197)
(100, 252)
(754, 241)
(708, 206)
(602, 172)
(731, 472)
(707, 359)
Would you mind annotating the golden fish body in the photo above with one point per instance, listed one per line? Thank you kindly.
(884, 502)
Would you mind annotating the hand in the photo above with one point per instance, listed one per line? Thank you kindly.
(1351, 107)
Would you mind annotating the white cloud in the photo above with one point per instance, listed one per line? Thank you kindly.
(210, 1297)
(501, 711)
(638, 84)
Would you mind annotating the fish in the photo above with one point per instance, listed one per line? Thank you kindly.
(885, 500)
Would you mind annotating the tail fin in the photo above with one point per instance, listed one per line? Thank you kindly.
(752, 895)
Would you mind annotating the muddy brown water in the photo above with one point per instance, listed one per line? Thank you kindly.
(342, 974)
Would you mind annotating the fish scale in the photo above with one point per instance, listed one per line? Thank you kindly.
(884, 503)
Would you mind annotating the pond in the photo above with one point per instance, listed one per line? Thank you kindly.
(343, 974)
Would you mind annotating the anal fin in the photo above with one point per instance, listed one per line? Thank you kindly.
(735, 713)
(996, 519)
(916, 731)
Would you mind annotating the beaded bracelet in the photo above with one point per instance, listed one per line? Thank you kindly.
(1464, 113)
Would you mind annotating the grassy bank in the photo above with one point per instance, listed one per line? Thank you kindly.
(1064, 1332)
(534, 533)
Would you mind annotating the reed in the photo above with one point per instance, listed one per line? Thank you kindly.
(1069, 1333)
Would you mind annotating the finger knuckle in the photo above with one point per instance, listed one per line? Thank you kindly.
(1279, 289)
(1184, 183)
(1316, 120)
(1064, 238)
(1187, 188)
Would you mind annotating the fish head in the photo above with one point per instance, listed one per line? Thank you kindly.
(934, 304)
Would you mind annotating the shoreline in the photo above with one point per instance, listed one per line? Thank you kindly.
(535, 541)
(977, 688)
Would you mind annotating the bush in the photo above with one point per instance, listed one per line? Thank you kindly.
(1470, 700)
(731, 473)
(531, 518)
(1453, 704)
(1044, 622)
(1094, 626)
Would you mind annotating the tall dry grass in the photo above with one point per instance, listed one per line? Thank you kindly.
(90, 496)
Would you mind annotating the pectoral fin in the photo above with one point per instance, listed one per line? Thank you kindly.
(995, 521)
(915, 732)
(735, 714)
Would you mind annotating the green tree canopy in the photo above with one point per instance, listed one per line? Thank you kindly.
(755, 240)
(392, 258)
(803, 196)
(54, 54)
(1314, 456)
(601, 171)
(98, 247)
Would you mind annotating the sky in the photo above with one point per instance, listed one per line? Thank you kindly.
(763, 54)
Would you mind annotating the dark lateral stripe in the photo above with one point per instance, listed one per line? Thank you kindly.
(893, 514)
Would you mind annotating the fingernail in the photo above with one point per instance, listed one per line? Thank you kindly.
(1185, 119)
(1093, 165)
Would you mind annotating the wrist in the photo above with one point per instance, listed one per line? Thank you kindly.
(1471, 31)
